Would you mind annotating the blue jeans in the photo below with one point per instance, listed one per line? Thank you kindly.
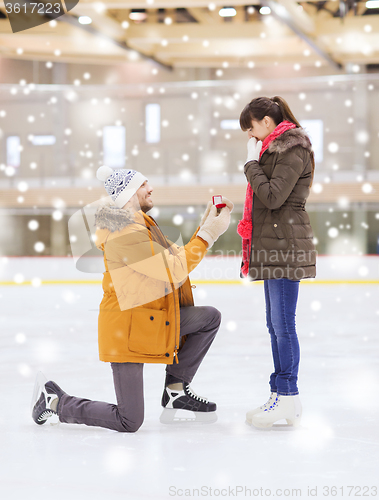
(281, 300)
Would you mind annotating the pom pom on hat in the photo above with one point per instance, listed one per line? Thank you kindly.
(104, 172)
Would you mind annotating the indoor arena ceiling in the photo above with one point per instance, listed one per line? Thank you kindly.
(192, 33)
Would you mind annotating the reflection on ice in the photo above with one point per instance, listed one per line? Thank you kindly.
(314, 434)
(117, 460)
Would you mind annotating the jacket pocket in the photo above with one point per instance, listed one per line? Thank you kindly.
(280, 239)
(278, 230)
(148, 331)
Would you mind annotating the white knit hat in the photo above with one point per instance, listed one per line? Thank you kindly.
(120, 184)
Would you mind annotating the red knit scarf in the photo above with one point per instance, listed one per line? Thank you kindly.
(245, 225)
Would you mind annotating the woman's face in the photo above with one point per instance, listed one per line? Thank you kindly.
(261, 129)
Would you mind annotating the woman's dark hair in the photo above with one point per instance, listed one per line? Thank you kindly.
(274, 107)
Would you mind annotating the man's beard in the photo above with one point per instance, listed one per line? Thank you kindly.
(146, 208)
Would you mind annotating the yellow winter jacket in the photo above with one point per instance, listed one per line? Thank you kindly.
(145, 283)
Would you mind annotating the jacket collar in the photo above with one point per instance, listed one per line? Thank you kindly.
(115, 219)
(290, 139)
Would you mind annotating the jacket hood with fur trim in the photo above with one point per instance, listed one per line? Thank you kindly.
(290, 139)
(113, 218)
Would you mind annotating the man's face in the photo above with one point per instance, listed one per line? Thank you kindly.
(144, 197)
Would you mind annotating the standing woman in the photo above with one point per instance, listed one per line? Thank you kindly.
(277, 240)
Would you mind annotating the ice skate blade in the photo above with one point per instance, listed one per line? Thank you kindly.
(289, 427)
(172, 416)
(38, 384)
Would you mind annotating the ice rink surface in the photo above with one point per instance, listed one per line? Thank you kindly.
(53, 328)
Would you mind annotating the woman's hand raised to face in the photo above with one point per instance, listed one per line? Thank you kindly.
(253, 149)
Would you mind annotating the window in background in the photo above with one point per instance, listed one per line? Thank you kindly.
(114, 146)
(13, 151)
(153, 123)
(315, 130)
(43, 140)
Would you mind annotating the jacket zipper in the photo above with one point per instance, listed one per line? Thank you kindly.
(176, 335)
(175, 355)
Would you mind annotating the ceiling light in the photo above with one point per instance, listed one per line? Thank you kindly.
(138, 15)
(265, 11)
(99, 7)
(85, 20)
(227, 12)
(372, 4)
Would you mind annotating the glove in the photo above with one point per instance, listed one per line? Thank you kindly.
(206, 213)
(227, 202)
(214, 225)
(253, 149)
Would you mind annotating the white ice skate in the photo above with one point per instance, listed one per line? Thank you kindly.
(285, 407)
(270, 402)
(184, 405)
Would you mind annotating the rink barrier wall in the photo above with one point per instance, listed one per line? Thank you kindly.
(211, 270)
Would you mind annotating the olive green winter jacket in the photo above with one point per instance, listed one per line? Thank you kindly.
(282, 240)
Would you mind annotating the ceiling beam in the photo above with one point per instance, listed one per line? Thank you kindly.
(204, 16)
(164, 4)
(103, 28)
(199, 32)
(298, 15)
(233, 41)
(280, 12)
(99, 33)
(100, 20)
(349, 25)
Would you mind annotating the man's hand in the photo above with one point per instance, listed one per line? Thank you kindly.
(228, 204)
(253, 149)
(206, 213)
(214, 225)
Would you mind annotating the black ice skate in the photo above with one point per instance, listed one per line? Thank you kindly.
(196, 408)
(45, 396)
